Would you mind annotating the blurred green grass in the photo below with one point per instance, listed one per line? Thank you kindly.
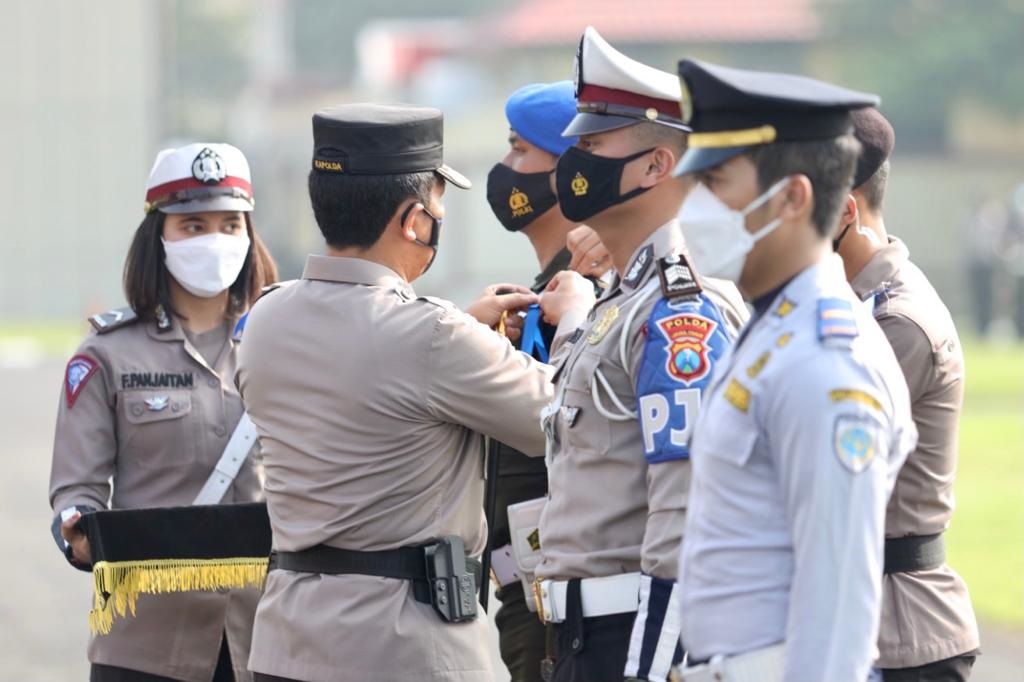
(48, 338)
(986, 539)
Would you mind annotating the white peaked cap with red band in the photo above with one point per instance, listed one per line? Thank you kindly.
(614, 91)
(204, 176)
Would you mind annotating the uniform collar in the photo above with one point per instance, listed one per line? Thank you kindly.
(666, 240)
(177, 333)
(354, 271)
(881, 269)
(558, 263)
(827, 275)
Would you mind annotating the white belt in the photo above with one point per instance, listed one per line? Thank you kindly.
(503, 566)
(243, 438)
(600, 596)
(761, 665)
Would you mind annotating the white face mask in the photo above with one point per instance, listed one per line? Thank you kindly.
(716, 235)
(206, 265)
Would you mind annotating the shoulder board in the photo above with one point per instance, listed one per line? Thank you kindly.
(677, 277)
(113, 319)
(836, 320)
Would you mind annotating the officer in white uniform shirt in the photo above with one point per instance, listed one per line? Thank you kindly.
(807, 420)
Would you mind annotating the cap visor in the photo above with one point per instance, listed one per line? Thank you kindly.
(586, 123)
(208, 204)
(455, 177)
(702, 159)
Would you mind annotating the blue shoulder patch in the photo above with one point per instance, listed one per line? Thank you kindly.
(836, 319)
(236, 334)
(684, 340)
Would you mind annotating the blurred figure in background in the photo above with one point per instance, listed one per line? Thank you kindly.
(928, 628)
(150, 402)
(984, 232)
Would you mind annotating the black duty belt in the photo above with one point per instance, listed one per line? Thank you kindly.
(404, 563)
(914, 553)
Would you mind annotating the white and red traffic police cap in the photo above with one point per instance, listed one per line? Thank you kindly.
(614, 91)
(204, 176)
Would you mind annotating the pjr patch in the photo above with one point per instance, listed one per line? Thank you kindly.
(687, 344)
(80, 368)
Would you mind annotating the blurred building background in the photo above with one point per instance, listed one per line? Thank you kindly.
(91, 91)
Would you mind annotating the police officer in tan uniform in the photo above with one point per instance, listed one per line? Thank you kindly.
(629, 382)
(928, 625)
(372, 403)
(520, 192)
(149, 404)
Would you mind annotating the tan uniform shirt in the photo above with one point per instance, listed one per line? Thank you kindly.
(608, 512)
(153, 418)
(926, 615)
(370, 404)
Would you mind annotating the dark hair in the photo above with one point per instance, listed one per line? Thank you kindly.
(353, 210)
(873, 189)
(828, 164)
(146, 284)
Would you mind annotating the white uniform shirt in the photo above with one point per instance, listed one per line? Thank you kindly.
(802, 433)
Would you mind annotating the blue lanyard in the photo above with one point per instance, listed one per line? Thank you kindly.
(533, 342)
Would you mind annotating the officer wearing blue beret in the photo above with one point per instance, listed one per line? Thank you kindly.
(807, 420)
(521, 194)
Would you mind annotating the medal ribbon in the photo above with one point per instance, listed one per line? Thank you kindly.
(533, 342)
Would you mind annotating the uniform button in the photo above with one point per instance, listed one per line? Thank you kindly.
(137, 410)
(219, 431)
(212, 383)
(575, 643)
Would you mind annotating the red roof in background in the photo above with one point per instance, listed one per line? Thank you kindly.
(540, 22)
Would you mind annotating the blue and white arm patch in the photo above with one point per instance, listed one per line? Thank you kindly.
(684, 341)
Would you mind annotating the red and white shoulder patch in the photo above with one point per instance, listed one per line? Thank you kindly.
(80, 368)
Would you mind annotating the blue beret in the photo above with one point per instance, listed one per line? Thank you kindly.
(540, 112)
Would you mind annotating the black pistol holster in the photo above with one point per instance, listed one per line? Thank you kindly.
(440, 572)
(453, 588)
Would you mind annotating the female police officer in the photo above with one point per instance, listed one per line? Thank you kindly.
(148, 406)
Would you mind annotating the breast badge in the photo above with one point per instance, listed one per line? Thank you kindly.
(603, 325)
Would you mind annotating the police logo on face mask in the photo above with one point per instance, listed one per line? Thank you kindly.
(208, 167)
(518, 199)
(519, 203)
(580, 185)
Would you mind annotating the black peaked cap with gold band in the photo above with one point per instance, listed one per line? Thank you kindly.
(614, 91)
(381, 139)
(730, 110)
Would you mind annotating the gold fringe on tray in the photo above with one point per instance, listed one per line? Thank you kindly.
(117, 585)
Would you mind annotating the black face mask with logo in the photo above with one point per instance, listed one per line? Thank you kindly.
(588, 184)
(518, 199)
